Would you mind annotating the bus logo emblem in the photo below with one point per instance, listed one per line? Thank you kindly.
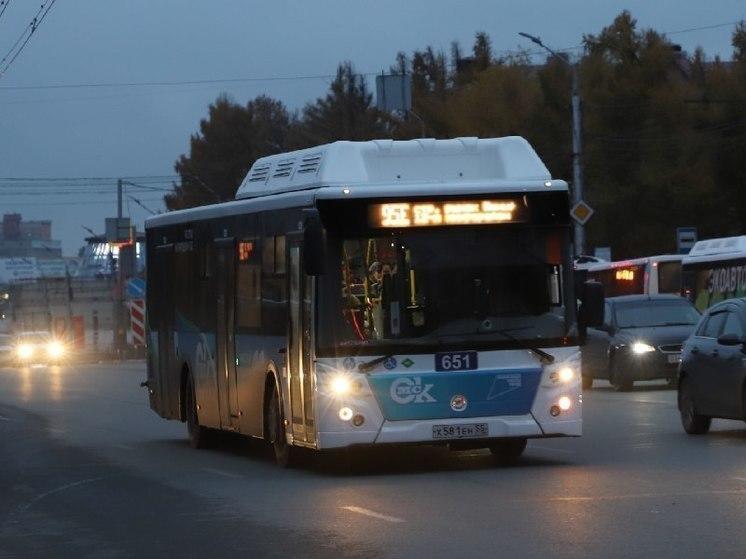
(459, 402)
(407, 390)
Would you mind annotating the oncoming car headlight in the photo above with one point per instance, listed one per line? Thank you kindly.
(25, 351)
(55, 349)
(641, 347)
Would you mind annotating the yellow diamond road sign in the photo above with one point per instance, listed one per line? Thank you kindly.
(581, 212)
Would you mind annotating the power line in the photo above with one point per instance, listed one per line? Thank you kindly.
(3, 6)
(28, 32)
(124, 177)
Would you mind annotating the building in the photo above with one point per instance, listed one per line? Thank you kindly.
(28, 239)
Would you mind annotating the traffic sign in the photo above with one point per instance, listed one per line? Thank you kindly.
(136, 288)
(581, 212)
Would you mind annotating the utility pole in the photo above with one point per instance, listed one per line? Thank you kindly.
(119, 198)
(577, 140)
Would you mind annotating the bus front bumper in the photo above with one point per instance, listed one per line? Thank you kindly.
(392, 432)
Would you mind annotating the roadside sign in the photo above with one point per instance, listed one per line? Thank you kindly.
(581, 212)
(136, 288)
(137, 321)
(686, 237)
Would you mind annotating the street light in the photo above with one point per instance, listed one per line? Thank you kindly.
(577, 145)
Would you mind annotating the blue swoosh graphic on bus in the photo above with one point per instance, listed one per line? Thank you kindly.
(428, 395)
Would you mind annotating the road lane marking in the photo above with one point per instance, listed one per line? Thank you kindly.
(740, 478)
(221, 473)
(3, 418)
(373, 514)
(570, 499)
(38, 498)
(124, 447)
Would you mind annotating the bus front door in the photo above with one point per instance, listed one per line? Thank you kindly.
(225, 251)
(165, 394)
(301, 378)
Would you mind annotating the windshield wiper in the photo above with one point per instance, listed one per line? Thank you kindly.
(368, 366)
(543, 356)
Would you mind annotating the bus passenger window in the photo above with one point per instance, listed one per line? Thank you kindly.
(248, 288)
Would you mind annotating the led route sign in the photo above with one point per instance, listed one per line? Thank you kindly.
(424, 214)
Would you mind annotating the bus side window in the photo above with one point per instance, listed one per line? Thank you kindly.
(248, 286)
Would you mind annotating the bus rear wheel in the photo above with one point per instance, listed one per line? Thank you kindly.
(508, 450)
(285, 454)
(199, 436)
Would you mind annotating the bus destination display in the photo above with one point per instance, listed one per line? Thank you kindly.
(443, 213)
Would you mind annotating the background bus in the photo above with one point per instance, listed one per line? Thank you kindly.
(640, 276)
(369, 293)
(715, 270)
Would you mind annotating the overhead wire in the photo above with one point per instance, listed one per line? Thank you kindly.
(4, 6)
(28, 32)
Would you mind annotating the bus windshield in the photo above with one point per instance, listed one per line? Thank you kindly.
(454, 287)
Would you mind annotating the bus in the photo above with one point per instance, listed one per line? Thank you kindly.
(715, 270)
(370, 293)
(639, 276)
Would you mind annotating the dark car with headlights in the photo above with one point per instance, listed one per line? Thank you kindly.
(640, 339)
(712, 376)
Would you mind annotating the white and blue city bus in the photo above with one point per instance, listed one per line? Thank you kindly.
(366, 293)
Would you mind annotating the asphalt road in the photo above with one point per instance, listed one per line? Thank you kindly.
(87, 470)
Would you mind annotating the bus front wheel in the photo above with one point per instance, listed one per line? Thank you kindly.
(508, 450)
(199, 436)
(285, 454)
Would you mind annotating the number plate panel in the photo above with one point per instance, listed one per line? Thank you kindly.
(462, 431)
(674, 358)
(456, 361)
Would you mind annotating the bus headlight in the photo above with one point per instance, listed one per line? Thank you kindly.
(640, 347)
(55, 349)
(564, 403)
(340, 385)
(562, 375)
(25, 351)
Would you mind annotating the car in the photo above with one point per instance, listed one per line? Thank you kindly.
(6, 349)
(640, 339)
(712, 374)
(38, 347)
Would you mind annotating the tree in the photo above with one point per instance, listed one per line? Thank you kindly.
(229, 141)
(346, 112)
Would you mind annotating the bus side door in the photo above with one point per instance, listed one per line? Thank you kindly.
(225, 317)
(165, 397)
(299, 369)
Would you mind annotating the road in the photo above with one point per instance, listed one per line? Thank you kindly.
(87, 470)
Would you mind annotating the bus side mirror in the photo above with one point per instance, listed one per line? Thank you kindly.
(591, 313)
(314, 243)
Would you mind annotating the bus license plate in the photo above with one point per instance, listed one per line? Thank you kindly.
(456, 361)
(463, 431)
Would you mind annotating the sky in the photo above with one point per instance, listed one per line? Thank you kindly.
(139, 131)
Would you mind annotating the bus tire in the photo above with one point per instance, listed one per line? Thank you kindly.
(587, 382)
(285, 454)
(199, 436)
(693, 422)
(507, 451)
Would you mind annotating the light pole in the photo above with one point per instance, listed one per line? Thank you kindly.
(577, 144)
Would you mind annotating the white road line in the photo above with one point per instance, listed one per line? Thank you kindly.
(3, 418)
(123, 447)
(221, 473)
(740, 478)
(38, 498)
(374, 514)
